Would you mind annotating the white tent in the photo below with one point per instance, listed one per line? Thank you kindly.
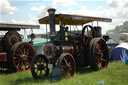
(123, 45)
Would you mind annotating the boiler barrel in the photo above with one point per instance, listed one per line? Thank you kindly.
(69, 48)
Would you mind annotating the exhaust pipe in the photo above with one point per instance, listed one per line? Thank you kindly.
(51, 12)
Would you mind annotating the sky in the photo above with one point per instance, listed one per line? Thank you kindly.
(29, 11)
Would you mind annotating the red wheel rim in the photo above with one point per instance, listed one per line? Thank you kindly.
(68, 66)
(22, 56)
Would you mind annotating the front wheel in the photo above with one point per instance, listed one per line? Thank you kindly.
(39, 66)
(68, 65)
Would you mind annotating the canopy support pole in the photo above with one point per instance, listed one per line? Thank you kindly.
(46, 33)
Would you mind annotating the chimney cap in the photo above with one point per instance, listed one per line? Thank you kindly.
(51, 10)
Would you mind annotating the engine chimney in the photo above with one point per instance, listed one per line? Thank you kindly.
(51, 12)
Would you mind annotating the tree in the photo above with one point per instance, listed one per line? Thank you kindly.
(120, 28)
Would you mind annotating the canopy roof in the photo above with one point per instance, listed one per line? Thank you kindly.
(6, 26)
(73, 19)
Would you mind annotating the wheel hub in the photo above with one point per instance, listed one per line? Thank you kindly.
(24, 57)
(101, 54)
(40, 67)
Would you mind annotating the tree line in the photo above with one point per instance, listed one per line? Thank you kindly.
(120, 28)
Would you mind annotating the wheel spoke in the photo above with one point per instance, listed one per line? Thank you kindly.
(103, 60)
(64, 67)
(30, 57)
(65, 61)
(26, 63)
(21, 64)
(98, 47)
(18, 65)
(97, 52)
(69, 63)
(16, 55)
(63, 64)
(70, 70)
(19, 50)
(17, 60)
(14, 58)
(24, 51)
(23, 68)
(99, 65)
(104, 50)
(69, 60)
(41, 60)
(27, 52)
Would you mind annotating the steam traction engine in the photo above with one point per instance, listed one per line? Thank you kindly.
(71, 48)
(15, 55)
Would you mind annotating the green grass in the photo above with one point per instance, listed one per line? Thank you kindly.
(115, 74)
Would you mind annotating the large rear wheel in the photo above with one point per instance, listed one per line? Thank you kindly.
(99, 54)
(10, 38)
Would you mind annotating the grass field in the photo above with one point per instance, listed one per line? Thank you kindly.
(115, 74)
